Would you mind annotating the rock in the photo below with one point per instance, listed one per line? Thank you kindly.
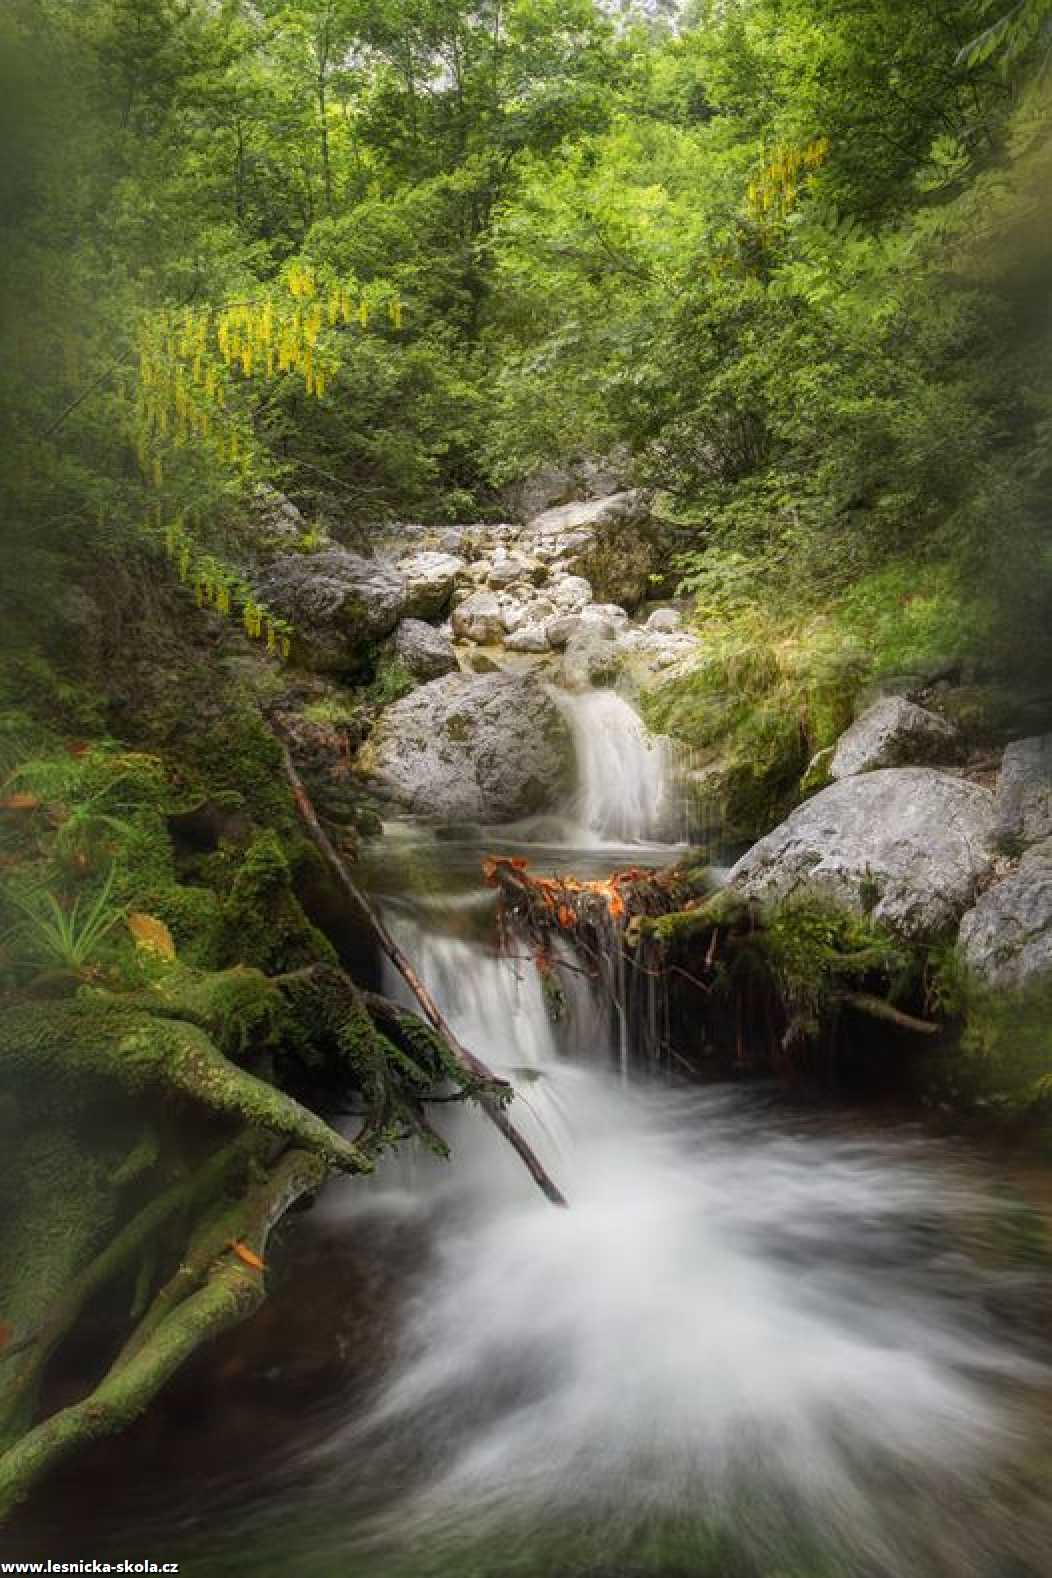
(571, 593)
(425, 651)
(664, 620)
(534, 611)
(817, 775)
(564, 626)
(1024, 793)
(613, 612)
(429, 581)
(906, 845)
(479, 663)
(277, 525)
(478, 619)
(336, 601)
(1006, 940)
(528, 638)
(506, 572)
(592, 657)
(484, 748)
(591, 513)
(893, 733)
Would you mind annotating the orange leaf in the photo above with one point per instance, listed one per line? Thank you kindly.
(566, 917)
(247, 1256)
(152, 935)
(20, 801)
(617, 905)
(489, 869)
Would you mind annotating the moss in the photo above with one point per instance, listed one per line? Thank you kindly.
(1004, 1062)
(391, 682)
(262, 922)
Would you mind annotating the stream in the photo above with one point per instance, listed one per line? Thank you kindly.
(766, 1340)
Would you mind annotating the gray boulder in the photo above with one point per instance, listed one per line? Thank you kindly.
(1024, 793)
(906, 845)
(485, 748)
(562, 628)
(425, 651)
(336, 601)
(616, 508)
(592, 657)
(1006, 940)
(478, 619)
(527, 638)
(429, 580)
(664, 620)
(893, 733)
(573, 592)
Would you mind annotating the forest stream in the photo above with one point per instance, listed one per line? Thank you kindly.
(764, 1339)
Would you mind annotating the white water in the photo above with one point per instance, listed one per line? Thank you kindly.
(627, 777)
(733, 1323)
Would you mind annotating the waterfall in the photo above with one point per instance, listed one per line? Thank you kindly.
(628, 787)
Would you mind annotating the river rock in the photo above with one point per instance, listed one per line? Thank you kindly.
(560, 629)
(893, 733)
(336, 601)
(478, 619)
(1024, 793)
(906, 845)
(1006, 940)
(486, 748)
(425, 651)
(572, 593)
(664, 620)
(592, 657)
(589, 514)
(527, 638)
(429, 580)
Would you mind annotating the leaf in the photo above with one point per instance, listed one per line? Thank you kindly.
(616, 904)
(152, 935)
(247, 1256)
(566, 917)
(21, 800)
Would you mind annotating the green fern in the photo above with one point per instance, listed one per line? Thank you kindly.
(51, 937)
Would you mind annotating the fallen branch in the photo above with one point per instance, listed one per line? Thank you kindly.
(492, 1106)
(878, 1008)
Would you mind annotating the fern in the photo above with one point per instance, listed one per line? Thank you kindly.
(50, 936)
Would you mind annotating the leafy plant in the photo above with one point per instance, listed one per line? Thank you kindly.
(52, 935)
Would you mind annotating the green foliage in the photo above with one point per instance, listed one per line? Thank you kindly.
(52, 936)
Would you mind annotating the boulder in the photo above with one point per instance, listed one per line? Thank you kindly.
(664, 620)
(614, 509)
(478, 619)
(532, 611)
(429, 581)
(893, 733)
(506, 572)
(527, 638)
(907, 846)
(336, 601)
(592, 657)
(562, 628)
(485, 748)
(572, 593)
(1006, 940)
(1024, 793)
(425, 651)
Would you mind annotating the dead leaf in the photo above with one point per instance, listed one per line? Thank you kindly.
(152, 935)
(21, 800)
(566, 917)
(247, 1256)
(617, 904)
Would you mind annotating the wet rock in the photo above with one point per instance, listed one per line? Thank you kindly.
(1024, 793)
(893, 733)
(592, 657)
(1006, 940)
(906, 845)
(478, 619)
(337, 602)
(429, 580)
(425, 651)
(484, 748)
(476, 662)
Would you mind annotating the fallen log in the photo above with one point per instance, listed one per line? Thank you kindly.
(492, 1105)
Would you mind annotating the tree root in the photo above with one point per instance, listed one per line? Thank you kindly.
(231, 1291)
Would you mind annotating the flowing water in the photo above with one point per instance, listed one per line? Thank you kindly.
(761, 1342)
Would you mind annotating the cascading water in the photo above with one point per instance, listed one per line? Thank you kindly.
(628, 789)
(757, 1345)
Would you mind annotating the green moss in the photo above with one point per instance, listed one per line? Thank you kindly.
(391, 682)
(262, 922)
